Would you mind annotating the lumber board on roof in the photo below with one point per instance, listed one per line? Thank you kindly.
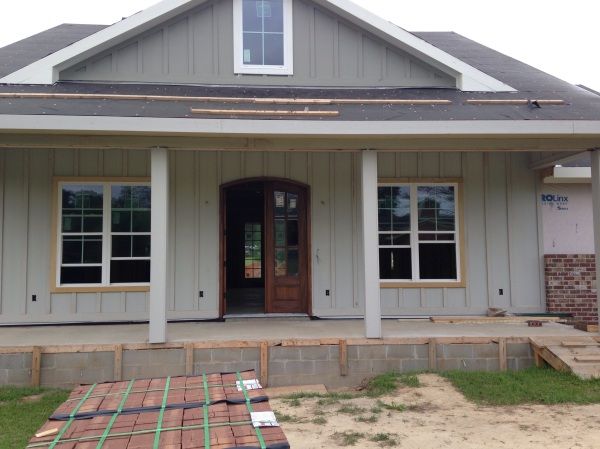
(509, 101)
(265, 112)
(251, 100)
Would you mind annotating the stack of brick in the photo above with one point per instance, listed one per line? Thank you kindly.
(571, 286)
(133, 415)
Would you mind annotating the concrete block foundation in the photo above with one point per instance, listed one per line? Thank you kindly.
(291, 364)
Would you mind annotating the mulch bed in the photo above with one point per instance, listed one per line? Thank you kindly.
(172, 413)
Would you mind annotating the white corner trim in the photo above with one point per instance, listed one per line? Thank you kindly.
(46, 70)
(288, 43)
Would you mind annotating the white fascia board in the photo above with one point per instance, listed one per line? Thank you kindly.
(46, 70)
(570, 175)
(257, 128)
(573, 172)
(469, 79)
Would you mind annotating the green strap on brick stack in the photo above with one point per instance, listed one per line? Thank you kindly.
(206, 404)
(161, 415)
(142, 432)
(72, 417)
(115, 416)
(261, 440)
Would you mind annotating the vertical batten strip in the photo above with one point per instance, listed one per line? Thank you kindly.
(159, 266)
(26, 207)
(509, 222)
(370, 244)
(332, 256)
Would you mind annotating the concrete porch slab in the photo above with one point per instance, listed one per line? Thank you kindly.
(269, 330)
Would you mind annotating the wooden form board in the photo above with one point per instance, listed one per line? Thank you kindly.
(559, 352)
(37, 352)
(490, 320)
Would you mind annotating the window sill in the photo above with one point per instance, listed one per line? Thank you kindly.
(116, 289)
(459, 284)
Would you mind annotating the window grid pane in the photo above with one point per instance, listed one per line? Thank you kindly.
(435, 255)
(130, 234)
(84, 237)
(81, 234)
(253, 251)
(263, 33)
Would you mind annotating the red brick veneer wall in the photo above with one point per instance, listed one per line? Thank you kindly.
(571, 285)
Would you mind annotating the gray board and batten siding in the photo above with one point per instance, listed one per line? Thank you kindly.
(501, 229)
(197, 48)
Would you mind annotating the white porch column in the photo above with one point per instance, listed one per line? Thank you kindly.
(159, 239)
(370, 244)
(596, 202)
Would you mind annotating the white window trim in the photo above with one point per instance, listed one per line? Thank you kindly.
(288, 44)
(106, 236)
(414, 234)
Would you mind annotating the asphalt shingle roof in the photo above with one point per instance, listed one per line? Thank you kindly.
(531, 83)
(24, 52)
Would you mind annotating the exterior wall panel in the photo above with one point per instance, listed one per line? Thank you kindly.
(499, 198)
(197, 47)
(501, 248)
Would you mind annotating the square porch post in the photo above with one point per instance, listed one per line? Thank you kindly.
(158, 245)
(596, 210)
(370, 242)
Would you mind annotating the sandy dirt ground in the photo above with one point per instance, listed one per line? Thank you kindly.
(438, 416)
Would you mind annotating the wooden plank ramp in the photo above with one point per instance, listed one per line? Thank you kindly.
(578, 355)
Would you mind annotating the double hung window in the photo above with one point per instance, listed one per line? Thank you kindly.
(103, 234)
(263, 37)
(419, 233)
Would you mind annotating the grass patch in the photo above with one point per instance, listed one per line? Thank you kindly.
(347, 438)
(20, 419)
(384, 439)
(367, 419)
(531, 386)
(392, 407)
(351, 410)
(295, 402)
(319, 421)
(283, 418)
(388, 383)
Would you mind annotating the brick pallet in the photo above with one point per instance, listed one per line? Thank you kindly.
(199, 412)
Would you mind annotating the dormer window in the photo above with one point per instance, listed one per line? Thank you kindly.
(263, 37)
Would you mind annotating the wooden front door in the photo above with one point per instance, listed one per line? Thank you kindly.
(286, 240)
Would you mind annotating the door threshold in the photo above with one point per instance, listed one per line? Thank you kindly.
(267, 316)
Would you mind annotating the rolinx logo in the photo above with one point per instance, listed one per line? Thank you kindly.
(559, 201)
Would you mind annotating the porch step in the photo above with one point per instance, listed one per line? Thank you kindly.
(580, 356)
